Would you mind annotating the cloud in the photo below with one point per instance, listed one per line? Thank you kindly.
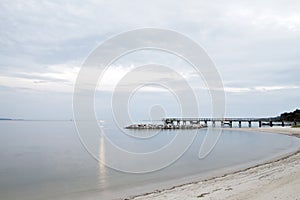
(260, 89)
(253, 43)
(58, 78)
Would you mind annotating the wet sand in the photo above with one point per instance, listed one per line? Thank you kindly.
(278, 179)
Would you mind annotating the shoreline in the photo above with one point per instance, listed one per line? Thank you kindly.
(276, 178)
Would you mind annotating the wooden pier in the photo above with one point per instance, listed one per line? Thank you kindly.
(227, 122)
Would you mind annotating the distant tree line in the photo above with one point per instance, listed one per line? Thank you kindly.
(5, 119)
(290, 116)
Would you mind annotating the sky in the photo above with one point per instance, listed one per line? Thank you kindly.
(43, 44)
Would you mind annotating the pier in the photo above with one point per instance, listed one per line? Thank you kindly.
(226, 122)
(194, 123)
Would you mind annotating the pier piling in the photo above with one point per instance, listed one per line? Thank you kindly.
(226, 121)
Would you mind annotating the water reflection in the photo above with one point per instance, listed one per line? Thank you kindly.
(102, 158)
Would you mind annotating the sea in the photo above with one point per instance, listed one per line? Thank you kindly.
(49, 160)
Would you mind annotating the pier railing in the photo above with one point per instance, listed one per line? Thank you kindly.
(227, 121)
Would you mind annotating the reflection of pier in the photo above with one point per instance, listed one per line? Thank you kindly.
(226, 121)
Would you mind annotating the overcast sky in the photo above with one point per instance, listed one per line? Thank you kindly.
(254, 44)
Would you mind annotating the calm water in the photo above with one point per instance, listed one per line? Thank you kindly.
(45, 160)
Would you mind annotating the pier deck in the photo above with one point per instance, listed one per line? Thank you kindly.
(227, 121)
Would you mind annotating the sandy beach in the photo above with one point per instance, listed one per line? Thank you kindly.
(279, 179)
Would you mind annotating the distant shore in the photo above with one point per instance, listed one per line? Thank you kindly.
(278, 179)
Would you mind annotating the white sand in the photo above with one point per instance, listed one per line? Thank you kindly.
(275, 180)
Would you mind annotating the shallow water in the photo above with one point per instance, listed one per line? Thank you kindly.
(46, 160)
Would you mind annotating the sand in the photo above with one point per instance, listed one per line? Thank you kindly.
(279, 179)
